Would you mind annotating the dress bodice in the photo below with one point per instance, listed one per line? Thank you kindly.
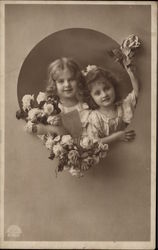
(100, 125)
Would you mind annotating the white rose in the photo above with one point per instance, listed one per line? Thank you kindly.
(84, 72)
(91, 67)
(48, 108)
(129, 43)
(67, 140)
(49, 143)
(54, 120)
(86, 142)
(66, 167)
(75, 172)
(33, 113)
(26, 101)
(57, 138)
(103, 147)
(133, 41)
(57, 149)
(41, 97)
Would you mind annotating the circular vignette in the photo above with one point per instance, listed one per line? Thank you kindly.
(85, 46)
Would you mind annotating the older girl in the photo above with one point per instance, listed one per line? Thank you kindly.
(66, 81)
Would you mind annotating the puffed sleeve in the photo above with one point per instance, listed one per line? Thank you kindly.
(84, 112)
(129, 105)
(94, 127)
(84, 116)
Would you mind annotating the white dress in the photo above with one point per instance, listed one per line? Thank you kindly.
(99, 125)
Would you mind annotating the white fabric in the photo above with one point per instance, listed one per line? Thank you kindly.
(99, 125)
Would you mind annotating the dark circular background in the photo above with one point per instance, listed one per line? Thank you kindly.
(84, 45)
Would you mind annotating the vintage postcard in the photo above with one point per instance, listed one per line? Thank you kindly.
(78, 88)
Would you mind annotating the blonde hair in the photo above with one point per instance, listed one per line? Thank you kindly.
(59, 65)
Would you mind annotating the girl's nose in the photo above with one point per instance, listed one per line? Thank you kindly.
(67, 83)
(104, 93)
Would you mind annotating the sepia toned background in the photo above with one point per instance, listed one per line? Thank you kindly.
(112, 202)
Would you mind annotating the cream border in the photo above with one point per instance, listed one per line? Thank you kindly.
(84, 245)
(81, 2)
(2, 120)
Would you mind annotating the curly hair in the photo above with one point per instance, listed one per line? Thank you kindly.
(54, 70)
(92, 77)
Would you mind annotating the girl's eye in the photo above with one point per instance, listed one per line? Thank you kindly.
(97, 93)
(71, 80)
(60, 81)
(106, 88)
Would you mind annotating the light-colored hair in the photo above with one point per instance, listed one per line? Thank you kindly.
(55, 69)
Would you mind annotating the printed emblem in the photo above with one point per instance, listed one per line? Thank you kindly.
(14, 231)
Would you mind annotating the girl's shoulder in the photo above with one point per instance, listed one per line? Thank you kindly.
(82, 106)
(96, 117)
(84, 112)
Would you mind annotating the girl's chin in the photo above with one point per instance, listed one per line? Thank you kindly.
(107, 105)
(69, 95)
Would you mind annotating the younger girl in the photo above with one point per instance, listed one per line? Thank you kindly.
(65, 81)
(110, 116)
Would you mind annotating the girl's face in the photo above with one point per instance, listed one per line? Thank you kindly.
(103, 94)
(66, 85)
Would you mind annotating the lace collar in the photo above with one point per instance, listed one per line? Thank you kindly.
(107, 119)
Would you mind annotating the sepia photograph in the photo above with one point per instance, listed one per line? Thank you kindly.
(78, 87)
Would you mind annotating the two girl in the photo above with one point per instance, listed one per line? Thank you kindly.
(108, 119)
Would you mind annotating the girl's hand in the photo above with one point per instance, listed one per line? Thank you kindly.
(41, 129)
(126, 136)
(129, 66)
(55, 120)
(119, 136)
(59, 130)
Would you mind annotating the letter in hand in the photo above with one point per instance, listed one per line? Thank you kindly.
(72, 123)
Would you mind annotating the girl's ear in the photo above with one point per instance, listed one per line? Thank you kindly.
(51, 88)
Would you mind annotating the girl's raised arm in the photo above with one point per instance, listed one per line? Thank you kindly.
(132, 74)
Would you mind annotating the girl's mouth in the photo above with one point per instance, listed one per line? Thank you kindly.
(68, 90)
(106, 99)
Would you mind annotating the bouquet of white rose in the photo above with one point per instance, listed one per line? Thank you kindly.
(74, 154)
(43, 110)
(126, 51)
(75, 157)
